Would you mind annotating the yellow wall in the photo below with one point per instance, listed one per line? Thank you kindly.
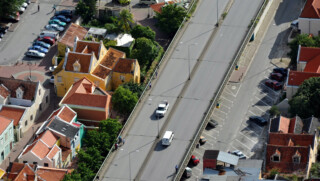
(135, 77)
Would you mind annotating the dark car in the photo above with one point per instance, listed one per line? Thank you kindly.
(273, 84)
(47, 39)
(276, 76)
(4, 29)
(194, 160)
(66, 12)
(202, 140)
(258, 120)
(282, 71)
(213, 123)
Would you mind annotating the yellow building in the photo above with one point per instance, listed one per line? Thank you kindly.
(107, 69)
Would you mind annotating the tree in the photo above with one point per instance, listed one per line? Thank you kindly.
(99, 140)
(274, 111)
(315, 170)
(134, 87)
(124, 100)
(72, 177)
(170, 19)
(91, 157)
(86, 9)
(303, 40)
(125, 19)
(9, 7)
(110, 126)
(145, 51)
(86, 173)
(306, 102)
(111, 28)
(124, 1)
(143, 31)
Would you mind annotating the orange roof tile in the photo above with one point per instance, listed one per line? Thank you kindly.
(67, 114)
(308, 53)
(4, 92)
(311, 9)
(73, 31)
(21, 172)
(282, 139)
(12, 113)
(90, 46)
(158, 7)
(13, 84)
(296, 78)
(101, 71)
(53, 152)
(29, 147)
(51, 174)
(49, 138)
(4, 123)
(125, 65)
(40, 149)
(284, 124)
(80, 94)
(65, 153)
(83, 59)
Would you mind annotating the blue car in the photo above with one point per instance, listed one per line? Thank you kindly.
(39, 49)
(42, 44)
(62, 18)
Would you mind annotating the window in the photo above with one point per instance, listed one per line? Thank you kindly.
(6, 137)
(47, 99)
(26, 123)
(25, 161)
(59, 79)
(39, 92)
(35, 163)
(40, 107)
(275, 158)
(46, 164)
(296, 159)
(122, 78)
(31, 117)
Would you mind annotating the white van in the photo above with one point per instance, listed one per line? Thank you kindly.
(167, 138)
(52, 34)
(148, 2)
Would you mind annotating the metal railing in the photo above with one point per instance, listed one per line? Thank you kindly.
(173, 41)
(217, 94)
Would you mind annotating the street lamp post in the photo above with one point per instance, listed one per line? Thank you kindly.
(130, 162)
(217, 13)
(189, 68)
(158, 127)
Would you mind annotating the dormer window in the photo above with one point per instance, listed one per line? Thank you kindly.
(19, 93)
(76, 66)
(276, 156)
(296, 157)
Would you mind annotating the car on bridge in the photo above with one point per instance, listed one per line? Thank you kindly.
(162, 108)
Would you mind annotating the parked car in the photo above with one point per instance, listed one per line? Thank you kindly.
(295, 25)
(162, 108)
(282, 71)
(66, 12)
(4, 29)
(52, 68)
(202, 140)
(28, 1)
(34, 53)
(58, 22)
(187, 173)
(1, 35)
(213, 123)
(39, 49)
(273, 84)
(54, 27)
(239, 154)
(62, 18)
(13, 18)
(24, 5)
(21, 9)
(194, 160)
(51, 79)
(47, 39)
(41, 43)
(277, 76)
(258, 120)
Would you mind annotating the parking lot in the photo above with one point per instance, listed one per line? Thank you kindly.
(250, 138)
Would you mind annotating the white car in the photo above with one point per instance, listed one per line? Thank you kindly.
(52, 68)
(35, 53)
(21, 9)
(162, 108)
(24, 5)
(239, 154)
(54, 27)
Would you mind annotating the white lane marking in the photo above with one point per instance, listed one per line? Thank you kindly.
(243, 144)
(226, 99)
(249, 138)
(263, 101)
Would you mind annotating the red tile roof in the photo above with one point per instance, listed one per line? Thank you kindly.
(73, 31)
(40, 149)
(80, 93)
(88, 46)
(125, 65)
(49, 138)
(281, 139)
(66, 114)
(13, 84)
(158, 7)
(311, 9)
(83, 59)
(4, 92)
(53, 152)
(312, 58)
(21, 172)
(284, 124)
(296, 78)
(12, 113)
(4, 123)
(51, 174)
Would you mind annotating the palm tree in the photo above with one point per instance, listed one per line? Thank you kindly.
(124, 20)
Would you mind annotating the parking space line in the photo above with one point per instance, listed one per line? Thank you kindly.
(211, 136)
(226, 99)
(238, 90)
(250, 138)
(223, 105)
(228, 92)
(263, 101)
(222, 112)
(252, 112)
(270, 89)
(261, 92)
(253, 131)
(243, 144)
(216, 116)
(263, 110)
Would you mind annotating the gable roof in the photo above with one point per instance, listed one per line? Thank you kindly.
(158, 7)
(88, 47)
(281, 139)
(13, 113)
(66, 114)
(21, 172)
(51, 174)
(296, 78)
(29, 87)
(85, 93)
(4, 92)
(63, 127)
(4, 123)
(125, 65)
(72, 32)
(83, 59)
(311, 56)
(311, 9)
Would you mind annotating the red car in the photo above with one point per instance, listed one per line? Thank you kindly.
(273, 84)
(47, 39)
(276, 76)
(195, 161)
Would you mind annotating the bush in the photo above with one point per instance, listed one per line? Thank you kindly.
(274, 111)
(111, 28)
(124, 1)
(143, 31)
(109, 43)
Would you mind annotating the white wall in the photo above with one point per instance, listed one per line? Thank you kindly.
(309, 26)
(291, 91)
(30, 158)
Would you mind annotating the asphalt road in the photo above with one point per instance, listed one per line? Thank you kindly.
(188, 113)
(16, 43)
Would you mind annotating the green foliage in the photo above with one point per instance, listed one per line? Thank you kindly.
(134, 87)
(91, 157)
(315, 170)
(143, 31)
(86, 9)
(99, 140)
(306, 102)
(274, 111)
(72, 177)
(124, 1)
(145, 51)
(170, 19)
(110, 126)
(9, 7)
(153, 66)
(124, 100)
(107, 43)
(273, 172)
(111, 28)
(87, 174)
(303, 40)
(125, 18)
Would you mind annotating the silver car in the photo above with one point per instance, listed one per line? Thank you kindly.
(34, 53)
(54, 27)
